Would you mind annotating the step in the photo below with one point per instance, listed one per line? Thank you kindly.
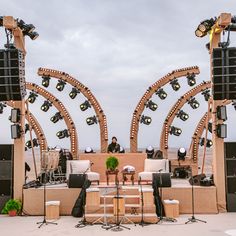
(129, 199)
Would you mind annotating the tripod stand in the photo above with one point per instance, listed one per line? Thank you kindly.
(118, 226)
(193, 219)
(44, 207)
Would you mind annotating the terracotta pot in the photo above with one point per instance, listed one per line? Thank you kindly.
(12, 213)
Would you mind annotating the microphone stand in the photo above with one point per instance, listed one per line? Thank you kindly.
(193, 219)
(142, 222)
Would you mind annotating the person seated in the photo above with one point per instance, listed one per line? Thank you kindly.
(113, 147)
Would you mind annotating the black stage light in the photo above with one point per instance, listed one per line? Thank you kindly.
(74, 93)
(33, 35)
(221, 130)
(35, 142)
(27, 28)
(193, 103)
(147, 120)
(85, 105)
(150, 152)
(161, 93)
(63, 134)
(151, 105)
(56, 117)
(91, 120)
(88, 150)
(175, 84)
(122, 150)
(210, 127)
(60, 85)
(221, 113)
(32, 97)
(182, 115)
(234, 104)
(175, 131)
(27, 128)
(15, 131)
(46, 81)
(206, 25)
(46, 105)
(2, 105)
(206, 94)
(1, 20)
(181, 154)
(209, 143)
(191, 79)
(28, 144)
(199, 33)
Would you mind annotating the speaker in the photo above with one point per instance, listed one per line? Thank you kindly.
(6, 152)
(224, 73)
(76, 180)
(196, 179)
(12, 75)
(230, 150)
(162, 180)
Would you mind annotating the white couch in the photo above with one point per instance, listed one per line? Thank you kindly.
(80, 167)
(153, 166)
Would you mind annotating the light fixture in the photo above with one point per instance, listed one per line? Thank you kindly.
(15, 131)
(74, 93)
(150, 152)
(175, 131)
(209, 143)
(206, 94)
(161, 93)
(33, 35)
(60, 85)
(46, 81)
(27, 128)
(28, 144)
(175, 84)
(63, 134)
(210, 127)
(85, 105)
(199, 33)
(193, 103)
(182, 115)
(181, 154)
(91, 120)
(32, 97)
(46, 105)
(191, 79)
(27, 29)
(221, 130)
(56, 117)
(122, 150)
(2, 105)
(151, 105)
(147, 120)
(204, 27)
(88, 150)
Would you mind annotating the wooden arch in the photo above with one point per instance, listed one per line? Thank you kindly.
(88, 94)
(67, 118)
(173, 112)
(36, 127)
(147, 95)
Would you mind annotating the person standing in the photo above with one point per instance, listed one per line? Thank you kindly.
(113, 146)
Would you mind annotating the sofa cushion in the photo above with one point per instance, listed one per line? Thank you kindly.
(151, 165)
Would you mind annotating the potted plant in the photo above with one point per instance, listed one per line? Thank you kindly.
(112, 163)
(12, 207)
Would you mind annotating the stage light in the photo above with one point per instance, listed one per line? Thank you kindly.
(33, 35)
(209, 143)
(150, 152)
(28, 144)
(45, 81)
(74, 93)
(122, 150)
(85, 105)
(199, 33)
(46, 105)
(175, 131)
(2, 105)
(193, 103)
(88, 150)
(210, 127)
(91, 120)
(27, 128)
(182, 115)
(206, 94)
(63, 134)
(146, 120)
(151, 105)
(32, 97)
(27, 29)
(206, 25)
(56, 117)
(191, 79)
(181, 154)
(161, 93)
(175, 85)
(60, 85)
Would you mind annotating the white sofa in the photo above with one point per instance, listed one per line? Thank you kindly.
(80, 167)
(153, 166)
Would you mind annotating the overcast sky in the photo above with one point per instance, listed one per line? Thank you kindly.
(118, 49)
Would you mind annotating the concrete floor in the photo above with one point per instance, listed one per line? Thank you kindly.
(217, 225)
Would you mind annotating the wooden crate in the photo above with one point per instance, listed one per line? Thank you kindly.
(171, 208)
(121, 209)
(53, 210)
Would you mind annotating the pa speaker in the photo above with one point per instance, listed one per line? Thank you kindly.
(6, 152)
(76, 180)
(230, 150)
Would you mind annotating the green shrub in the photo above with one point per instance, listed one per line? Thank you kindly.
(11, 205)
(112, 163)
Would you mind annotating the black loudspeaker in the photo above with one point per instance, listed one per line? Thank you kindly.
(162, 180)
(6, 152)
(224, 73)
(12, 75)
(76, 180)
(196, 179)
(230, 150)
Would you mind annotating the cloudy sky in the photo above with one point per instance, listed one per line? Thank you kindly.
(118, 49)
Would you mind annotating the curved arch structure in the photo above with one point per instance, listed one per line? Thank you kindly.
(67, 118)
(173, 112)
(88, 94)
(148, 94)
(36, 127)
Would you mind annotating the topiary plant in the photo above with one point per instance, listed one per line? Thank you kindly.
(112, 163)
(12, 205)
